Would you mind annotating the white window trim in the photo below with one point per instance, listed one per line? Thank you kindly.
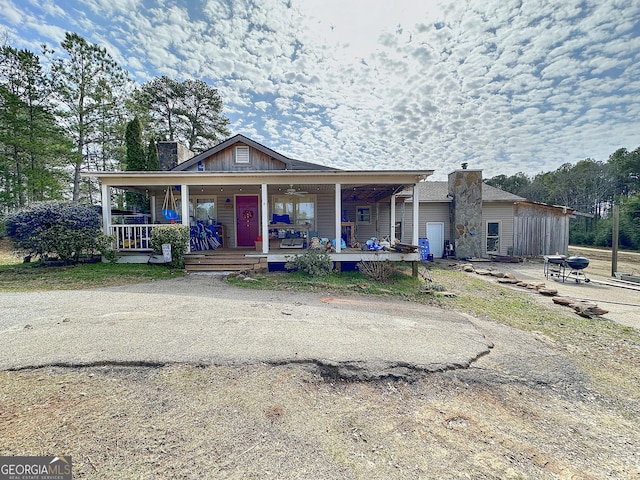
(193, 201)
(294, 201)
(487, 236)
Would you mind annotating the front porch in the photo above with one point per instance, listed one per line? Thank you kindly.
(221, 260)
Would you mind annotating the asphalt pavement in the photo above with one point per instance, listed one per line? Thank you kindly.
(201, 319)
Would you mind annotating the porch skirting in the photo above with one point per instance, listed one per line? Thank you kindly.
(234, 260)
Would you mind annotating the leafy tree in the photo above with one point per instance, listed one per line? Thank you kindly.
(33, 149)
(188, 111)
(516, 184)
(89, 85)
(625, 166)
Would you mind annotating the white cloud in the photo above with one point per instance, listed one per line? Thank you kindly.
(10, 12)
(376, 84)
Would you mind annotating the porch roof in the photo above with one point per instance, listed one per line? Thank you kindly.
(365, 186)
(258, 177)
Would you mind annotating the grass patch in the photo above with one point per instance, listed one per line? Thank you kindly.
(32, 277)
(399, 284)
(609, 353)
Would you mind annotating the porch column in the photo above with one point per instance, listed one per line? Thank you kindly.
(416, 217)
(338, 214)
(184, 202)
(265, 219)
(392, 236)
(106, 209)
(152, 201)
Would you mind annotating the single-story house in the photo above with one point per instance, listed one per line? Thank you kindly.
(260, 203)
(257, 201)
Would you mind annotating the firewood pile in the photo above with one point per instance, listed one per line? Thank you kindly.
(584, 309)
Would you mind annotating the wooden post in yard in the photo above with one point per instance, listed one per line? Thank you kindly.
(614, 240)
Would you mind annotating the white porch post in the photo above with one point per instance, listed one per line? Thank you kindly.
(152, 200)
(416, 216)
(106, 208)
(338, 213)
(392, 237)
(265, 219)
(184, 202)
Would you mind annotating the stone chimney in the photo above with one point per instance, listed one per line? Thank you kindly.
(171, 154)
(465, 186)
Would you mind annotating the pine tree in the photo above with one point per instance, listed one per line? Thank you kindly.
(88, 84)
(136, 159)
(152, 156)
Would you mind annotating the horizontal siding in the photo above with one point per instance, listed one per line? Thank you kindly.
(430, 212)
(325, 216)
(498, 212)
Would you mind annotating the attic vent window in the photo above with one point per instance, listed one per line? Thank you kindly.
(242, 154)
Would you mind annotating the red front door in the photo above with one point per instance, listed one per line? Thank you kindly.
(247, 220)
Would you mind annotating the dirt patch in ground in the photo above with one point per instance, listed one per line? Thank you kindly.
(279, 422)
(600, 261)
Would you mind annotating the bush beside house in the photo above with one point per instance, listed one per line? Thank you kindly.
(175, 235)
(56, 230)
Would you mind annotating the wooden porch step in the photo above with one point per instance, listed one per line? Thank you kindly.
(223, 268)
(221, 261)
(232, 261)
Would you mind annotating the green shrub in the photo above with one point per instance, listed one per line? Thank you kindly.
(314, 262)
(175, 235)
(104, 245)
(55, 229)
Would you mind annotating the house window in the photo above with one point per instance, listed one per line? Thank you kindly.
(300, 208)
(242, 154)
(363, 215)
(200, 208)
(493, 237)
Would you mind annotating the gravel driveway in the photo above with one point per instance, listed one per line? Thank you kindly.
(203, 320)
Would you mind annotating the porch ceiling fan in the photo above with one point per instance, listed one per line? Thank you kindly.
(293, 191)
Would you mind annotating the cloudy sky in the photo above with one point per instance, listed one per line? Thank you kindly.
(506, 85)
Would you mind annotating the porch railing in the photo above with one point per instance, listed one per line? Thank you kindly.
(132, 238)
